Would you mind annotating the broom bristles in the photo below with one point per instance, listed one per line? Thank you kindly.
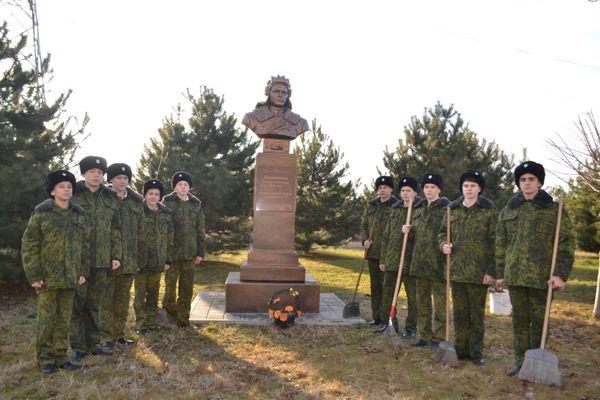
(540, 366)
(445, 354)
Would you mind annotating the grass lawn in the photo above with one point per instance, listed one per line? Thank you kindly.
(217, 361)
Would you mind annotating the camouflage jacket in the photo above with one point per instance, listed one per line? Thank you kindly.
(158, 239)
(103, 217)
(525, 239)
(472, 233)
(391, 241)
(132, 230)
(188, 222)
(55, 245)
(427, 259)
(375, 216)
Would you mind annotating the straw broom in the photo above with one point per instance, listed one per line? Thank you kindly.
(390, 327)
(445, 353)
(541, 366)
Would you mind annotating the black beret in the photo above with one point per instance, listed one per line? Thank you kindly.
(432, 178)
(408, 181)
(530, 167)
(384, 180)
(181, 176)
(117, 169)
(154, 184)
(90, 162)
(55, 177)
(471, 176)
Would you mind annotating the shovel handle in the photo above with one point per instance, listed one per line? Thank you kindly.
(402, 254)
(362, 264)
(448, 241)
(561, 202)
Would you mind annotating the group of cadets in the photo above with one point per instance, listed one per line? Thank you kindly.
(85, 246)
(512, 248)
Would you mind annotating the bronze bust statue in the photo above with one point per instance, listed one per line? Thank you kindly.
(274, 118)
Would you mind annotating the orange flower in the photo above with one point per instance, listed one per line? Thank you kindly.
(277, 313)
(288, 308)
(298, 313)
(277, 300)
(270, 313)
(283, 317)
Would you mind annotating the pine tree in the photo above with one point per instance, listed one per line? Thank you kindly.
(584, 209)
(34, 139)
(219, 157)
(328, 210)
(441, 142)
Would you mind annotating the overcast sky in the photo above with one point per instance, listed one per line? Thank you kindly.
(518, 71)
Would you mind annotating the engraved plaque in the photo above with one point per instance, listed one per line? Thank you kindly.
(275, 188)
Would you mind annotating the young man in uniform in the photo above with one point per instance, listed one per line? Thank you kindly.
(157, 255)
(100, 204)
(373, 223)
(472, 230)
(129, 206)
(427, 263)
(524, 244)
(391, 249)
(55, 250)
(189, 247)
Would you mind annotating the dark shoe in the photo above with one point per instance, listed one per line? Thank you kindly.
(48, 368)
(514, 370)
(380, 328)
(70, 366)
(108, 346)
(478, 361)
(125, 342)
(100, 351)
(433, 345)
(375, 322)
(184, 325)
(408, 335)
(143, 331)
(419, 343)
(78, 355)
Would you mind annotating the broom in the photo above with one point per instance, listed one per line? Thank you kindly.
(390, 326)
(445, 353)
(541, 366)
(352, 309)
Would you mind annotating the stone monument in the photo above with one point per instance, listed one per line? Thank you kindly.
(272, 261)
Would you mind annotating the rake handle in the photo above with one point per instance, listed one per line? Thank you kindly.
(448, 241)
(402, 254)
(552, 268)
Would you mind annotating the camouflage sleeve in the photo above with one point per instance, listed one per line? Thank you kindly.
(364, 227)
(500, 247)
(442, 234)
(31, 250)
(566, 249)
(141, 234)
(385, 240)
(200, 226)
(86, 256)
(116, 240)
(491, 242)
(170, 241)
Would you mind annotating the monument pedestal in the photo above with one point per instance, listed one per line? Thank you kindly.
(252, 297)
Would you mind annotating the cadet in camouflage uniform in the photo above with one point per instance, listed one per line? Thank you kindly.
(100, 204)
(55, 251)
(524, 244)
(391, 249)
(472, 231)
(374, 218)
(157, 255)
(189, 243)
(118, 293)
(427, 263)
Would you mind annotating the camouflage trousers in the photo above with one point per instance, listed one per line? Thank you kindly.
(180, 275)
(376, 278)
(84, 334)
(389, 284)
(431, 321)
(54, 309)
(145, 304)
(113, 313)
(468, 302)
(528, 308)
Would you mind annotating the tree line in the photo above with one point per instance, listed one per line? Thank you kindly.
(36, 136)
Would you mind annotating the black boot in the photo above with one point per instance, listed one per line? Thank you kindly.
(514, 370)
(48, 368)
(375, 322)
